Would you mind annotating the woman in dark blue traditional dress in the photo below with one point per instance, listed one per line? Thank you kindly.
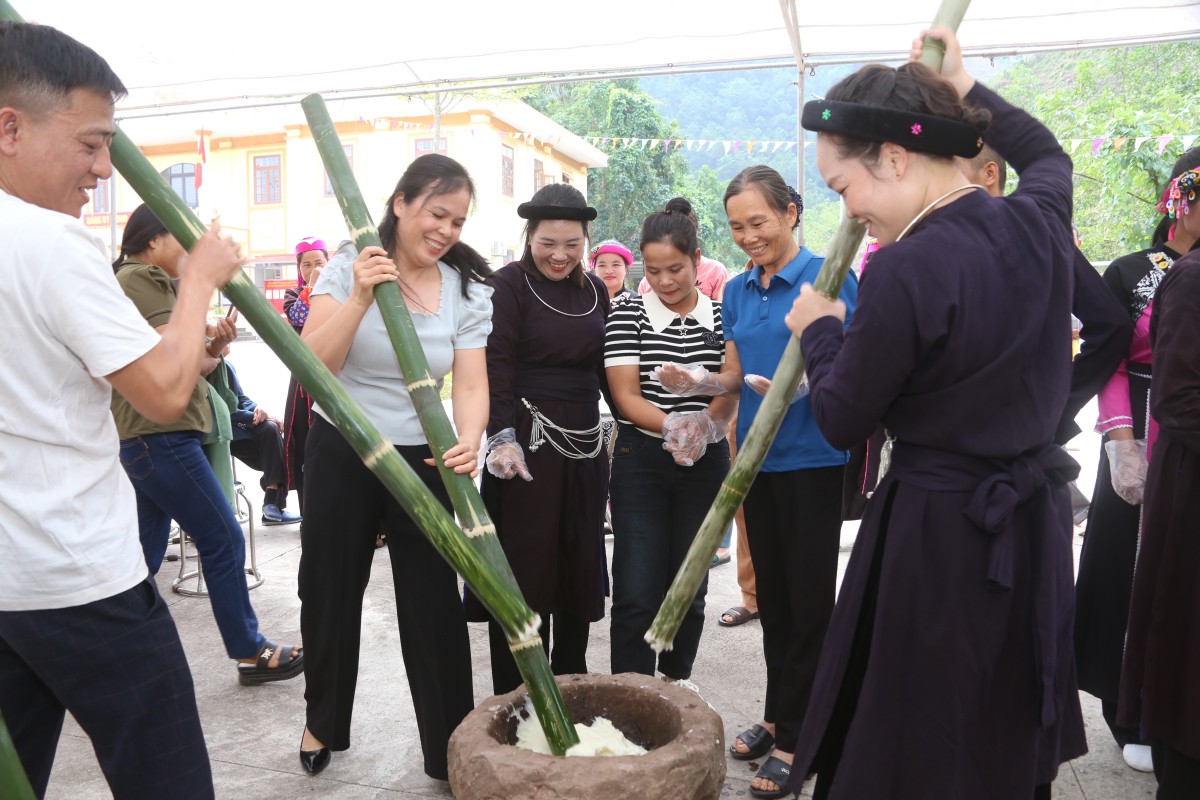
(1160, 682)
(947, 671)
(546, 485)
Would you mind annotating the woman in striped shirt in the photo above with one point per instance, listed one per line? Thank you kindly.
(671, 453)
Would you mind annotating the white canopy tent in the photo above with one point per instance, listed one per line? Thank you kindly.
(223, 53)
(186, 59)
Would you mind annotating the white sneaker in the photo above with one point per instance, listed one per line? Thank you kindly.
(1138, 757)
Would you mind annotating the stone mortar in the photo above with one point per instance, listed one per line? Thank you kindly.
(684, 735)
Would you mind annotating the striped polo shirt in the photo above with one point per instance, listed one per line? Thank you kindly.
(642, 331)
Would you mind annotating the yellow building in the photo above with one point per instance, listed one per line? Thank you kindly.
(263, 180)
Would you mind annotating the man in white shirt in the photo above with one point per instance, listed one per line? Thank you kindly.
(82, 628)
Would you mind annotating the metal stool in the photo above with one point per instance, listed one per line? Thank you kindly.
(244, 510)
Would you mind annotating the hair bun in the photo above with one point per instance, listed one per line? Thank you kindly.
(679, 205)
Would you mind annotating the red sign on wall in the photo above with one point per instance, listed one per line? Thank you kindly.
(105, 220)
(274, 290)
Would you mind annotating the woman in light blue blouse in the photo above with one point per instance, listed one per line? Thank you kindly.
(346, 506)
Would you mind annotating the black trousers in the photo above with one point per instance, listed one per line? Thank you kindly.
(117, 665)
(264, 452)
(568, 655)
(1178, 775)
(345, 506)
(793, 524)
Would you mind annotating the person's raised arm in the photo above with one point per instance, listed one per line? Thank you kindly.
(1028, 145)
(159, 385)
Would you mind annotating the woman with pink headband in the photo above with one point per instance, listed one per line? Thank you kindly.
(610, 261)
(311, 257)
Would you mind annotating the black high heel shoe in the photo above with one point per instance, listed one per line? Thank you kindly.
(313, 761)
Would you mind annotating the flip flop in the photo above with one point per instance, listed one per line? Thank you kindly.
(718, 560)
(777, 771)
(738, 615)
(758, 741)
(291, 664)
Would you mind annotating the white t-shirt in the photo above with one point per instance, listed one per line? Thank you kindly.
(68, 518)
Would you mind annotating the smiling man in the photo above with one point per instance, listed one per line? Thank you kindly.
(82, 628)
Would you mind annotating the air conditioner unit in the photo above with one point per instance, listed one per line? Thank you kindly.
(497, 248)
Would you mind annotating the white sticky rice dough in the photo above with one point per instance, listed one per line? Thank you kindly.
(601, 738)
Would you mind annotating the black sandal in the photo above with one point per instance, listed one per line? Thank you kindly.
(777, 771)
(758, 741)
(291, 664)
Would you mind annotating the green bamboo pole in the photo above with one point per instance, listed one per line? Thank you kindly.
(770, 415)
(464, 497)
(495, 588)
(13, 783)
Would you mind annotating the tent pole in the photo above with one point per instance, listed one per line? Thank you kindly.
(800, 142)
(792, 22)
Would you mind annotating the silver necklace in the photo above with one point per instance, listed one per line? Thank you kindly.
(929, 207)
(595, 299)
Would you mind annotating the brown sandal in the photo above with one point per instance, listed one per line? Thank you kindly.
(738, 615)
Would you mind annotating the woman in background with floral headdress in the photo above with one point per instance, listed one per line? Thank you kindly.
(547, 464)
(1160, 678)
(311, 258)
(1110, 542)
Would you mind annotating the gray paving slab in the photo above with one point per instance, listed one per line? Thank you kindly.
(253, 733)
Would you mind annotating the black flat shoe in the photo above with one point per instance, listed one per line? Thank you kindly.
(314, 761)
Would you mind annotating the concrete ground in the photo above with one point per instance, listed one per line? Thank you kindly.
(253, 733)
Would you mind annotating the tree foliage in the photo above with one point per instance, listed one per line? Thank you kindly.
(637, 180)
(1114, 93)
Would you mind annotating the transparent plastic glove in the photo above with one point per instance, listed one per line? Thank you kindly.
(1127, 468)
(505, 458)
(687, 381)
(760, 384)
(687, 435)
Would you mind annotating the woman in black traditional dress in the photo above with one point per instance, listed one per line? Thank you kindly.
(1110, 542)
(947, 668)
(547, 465)
(1160, 683)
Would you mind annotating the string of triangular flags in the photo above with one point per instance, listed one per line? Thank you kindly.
(1096, 144)
(695, 145)
(1101, 143)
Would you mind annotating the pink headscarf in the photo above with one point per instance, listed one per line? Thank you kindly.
(306, 244)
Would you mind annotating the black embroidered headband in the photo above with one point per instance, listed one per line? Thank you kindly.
(922, 132)
(532, 211)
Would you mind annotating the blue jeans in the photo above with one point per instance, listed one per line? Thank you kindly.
(657, 508)
(174, 481)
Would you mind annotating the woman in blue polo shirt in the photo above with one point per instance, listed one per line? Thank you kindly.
(793, 508)
(671, 453)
